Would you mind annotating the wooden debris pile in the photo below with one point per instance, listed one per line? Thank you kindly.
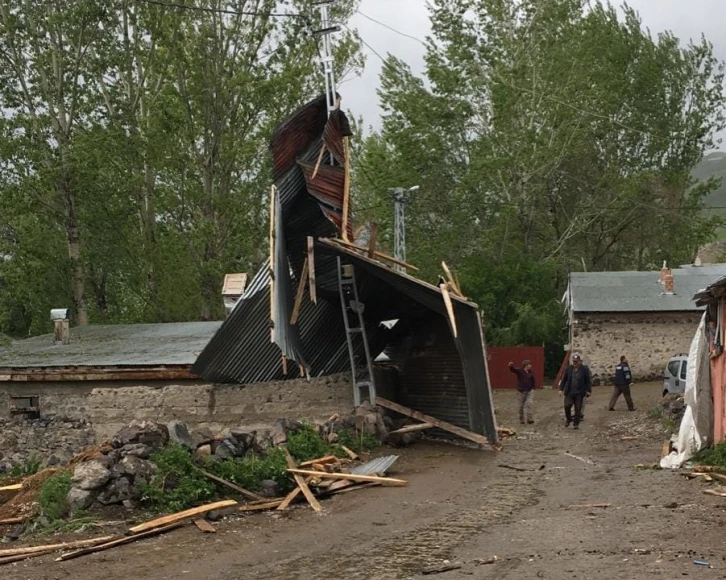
(145, 530)
(328, 476)
(710, 474)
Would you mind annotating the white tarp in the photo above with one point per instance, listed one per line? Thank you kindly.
(696, 430)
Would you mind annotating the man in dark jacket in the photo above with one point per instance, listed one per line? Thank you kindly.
(623, 380)
(525, 387)
(576, 386)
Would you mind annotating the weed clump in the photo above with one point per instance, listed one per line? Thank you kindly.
(715, 455)
(53, 496)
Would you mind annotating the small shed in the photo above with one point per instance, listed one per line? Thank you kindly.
(635, 314)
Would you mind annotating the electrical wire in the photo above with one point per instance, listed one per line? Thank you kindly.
(224, 11)
(391, 28)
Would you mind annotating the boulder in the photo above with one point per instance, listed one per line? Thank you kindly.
(80, 499)
(90, 475)
(226, 449)
(179, 433)
(135, 450)
(244, 438)
(139, 470)
(118, 491)
(269, 488)
(149, 433)
(203, 451)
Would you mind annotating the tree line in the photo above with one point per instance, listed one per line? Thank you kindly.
(546, 135)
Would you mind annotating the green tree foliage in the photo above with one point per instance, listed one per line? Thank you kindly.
(134, 150)
(546, 135)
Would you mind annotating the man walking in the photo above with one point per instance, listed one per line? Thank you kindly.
(525, 386)
(576, 386)
(623, 381)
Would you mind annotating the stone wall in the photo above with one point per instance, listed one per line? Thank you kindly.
(647, 339)
(108, 406)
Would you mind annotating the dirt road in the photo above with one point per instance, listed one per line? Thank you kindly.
(464, 506)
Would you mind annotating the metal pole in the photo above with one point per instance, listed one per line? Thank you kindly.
(401, 197)
(327, 53)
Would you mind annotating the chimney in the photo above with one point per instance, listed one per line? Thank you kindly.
(61, 326)
(232, 290)
(663, 272)
(669, 283)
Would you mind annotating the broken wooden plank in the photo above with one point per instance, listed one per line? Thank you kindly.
(449, 309)
(628, 438)
(666, 449)
(352, 487)
(373, 240)
(411, 428)
(272, 263)
(311, 270)
(588, 505)
(261, 506)
(118, 542)
(714, 492)
(12, 521)
(159, 522)
(346, 190)
(21, 557)
(289, 498)
(300, 293)
(54, 547)
(205, 526)
(584, 460)
(452, 281)
(232, 486)
(284, 365)
(318, 161)
(463, 433)
(325, 459)
(707, 469)
(302, 484)
(387, 481)
(378, 254)
(718, 477)
(349, 452)
(13, 487)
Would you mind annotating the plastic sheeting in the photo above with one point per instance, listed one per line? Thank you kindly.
(697, 424)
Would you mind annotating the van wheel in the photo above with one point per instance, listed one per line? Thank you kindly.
(665, 392)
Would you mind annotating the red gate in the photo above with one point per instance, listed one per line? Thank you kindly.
(499, 357)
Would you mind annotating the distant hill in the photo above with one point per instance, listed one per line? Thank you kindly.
(714, 165)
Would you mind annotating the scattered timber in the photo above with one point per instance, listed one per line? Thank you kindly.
(588, 506)
(352, 454)
(386, 481)
(21, 557)
(302, 484)
(708, 469)
(411, 428)
(377, 254)
(177, 517)
(11, 521)
(583, 459)
(449, 308)
(715, 492)
(13, 487)
(261, 506)
(463, 433)
(321, 460)
(232, 486)
(205, 526)
(300, 293)
(118, 542)
(54, 547)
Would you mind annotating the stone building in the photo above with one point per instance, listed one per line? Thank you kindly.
(643, 315)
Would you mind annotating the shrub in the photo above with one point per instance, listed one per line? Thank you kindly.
(30, 467)
(178, 484)
(715, 455)
(251, 471)
(305, 444)
(53, 496)
(357, 440)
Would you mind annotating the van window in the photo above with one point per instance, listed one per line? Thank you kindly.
(684, 368)
(673, 367)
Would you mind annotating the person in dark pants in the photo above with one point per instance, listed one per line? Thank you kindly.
(525, 387)
(623, 381)
(576, 386)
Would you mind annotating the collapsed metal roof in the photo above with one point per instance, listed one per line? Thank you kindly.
(309, 161)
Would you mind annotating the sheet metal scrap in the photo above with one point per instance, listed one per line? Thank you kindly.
(379, 466)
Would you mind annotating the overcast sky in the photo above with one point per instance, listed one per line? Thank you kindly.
(686, 18)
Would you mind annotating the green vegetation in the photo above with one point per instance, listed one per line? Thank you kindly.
(251, 471)
(715, 455)
(305, 443)
(53, 497)
(357, 440)
(30, 467)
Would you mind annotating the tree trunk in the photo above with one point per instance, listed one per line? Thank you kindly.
(73, 236)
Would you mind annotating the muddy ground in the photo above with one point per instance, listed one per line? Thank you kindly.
(463, 505)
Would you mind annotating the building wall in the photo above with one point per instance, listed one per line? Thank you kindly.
(108, 406)
(647, 339)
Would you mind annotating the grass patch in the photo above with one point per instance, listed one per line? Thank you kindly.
(30, 467)
(655, 413)
(250, 472)
(715, 455)
(357, 440)
(178, 484)
(53, 497)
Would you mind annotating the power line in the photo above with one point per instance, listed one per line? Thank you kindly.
(224, 10)
(391, 28)
(373, 50)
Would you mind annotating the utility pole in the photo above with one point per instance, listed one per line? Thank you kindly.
(401, 197)
(326, 57)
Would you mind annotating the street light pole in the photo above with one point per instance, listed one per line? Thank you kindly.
(401, 197)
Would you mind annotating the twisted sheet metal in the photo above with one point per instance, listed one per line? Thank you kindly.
(380, 465)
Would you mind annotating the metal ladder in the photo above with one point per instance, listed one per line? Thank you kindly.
(349, 302)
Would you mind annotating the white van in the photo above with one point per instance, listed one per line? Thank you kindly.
(675, 375)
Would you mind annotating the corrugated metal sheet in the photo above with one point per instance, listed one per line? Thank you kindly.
(640, 291)
(94, 345)
(380, 465)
